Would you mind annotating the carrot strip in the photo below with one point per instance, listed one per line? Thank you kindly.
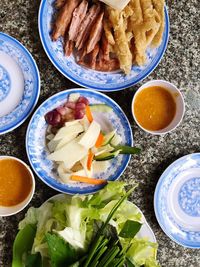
(88, 113)
(87, 180)
(89, 160)
(99, 140)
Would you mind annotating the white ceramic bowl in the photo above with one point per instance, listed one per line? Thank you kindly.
(11, 210)
(180, 105)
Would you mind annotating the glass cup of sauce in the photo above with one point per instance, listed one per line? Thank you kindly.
(158, 107)
(17, 185)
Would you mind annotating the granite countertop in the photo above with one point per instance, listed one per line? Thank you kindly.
(180, 65)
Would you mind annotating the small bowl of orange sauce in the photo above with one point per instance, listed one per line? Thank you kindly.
(158, 107)
(17, 185)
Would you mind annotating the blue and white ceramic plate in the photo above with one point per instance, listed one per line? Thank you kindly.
(103, 81)
(19, 83)
(177, 201)
(36, 144)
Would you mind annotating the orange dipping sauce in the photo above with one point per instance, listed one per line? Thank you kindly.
(154, 108)
(15, 182)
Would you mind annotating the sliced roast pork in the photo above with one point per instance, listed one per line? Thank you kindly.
(78, 15)
(60, 3)
(93, 56)
(105, 48)
(96, 33)
(68, 47)
(64, 18)
(86, 25)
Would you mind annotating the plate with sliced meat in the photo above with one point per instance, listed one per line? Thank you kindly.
(100, 47)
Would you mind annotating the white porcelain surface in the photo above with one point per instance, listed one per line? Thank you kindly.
(177, 201)
(179, 100)
(11, 84)
(182, 197)
(19, 83)
(8, 211)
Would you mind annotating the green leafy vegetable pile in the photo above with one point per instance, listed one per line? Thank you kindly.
(84, 231)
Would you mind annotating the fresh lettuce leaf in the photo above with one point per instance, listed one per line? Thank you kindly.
(42, 249)
(151, 263)
(127, 211)
(59, 212)
(61, 253)
(74, 219)
(110, 192)
(74, 237)
(141, 250)
(23, 244)
(130, 229)
(33, 260)
(31, 217)
(78, 231)
(74, 213)
(130, 263)
(44, 213)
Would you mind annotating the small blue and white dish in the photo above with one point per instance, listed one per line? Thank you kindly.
(102, 81)
(177, 201)
(36, 141)
(19, 83)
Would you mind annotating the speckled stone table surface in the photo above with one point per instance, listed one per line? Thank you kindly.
(180, 65)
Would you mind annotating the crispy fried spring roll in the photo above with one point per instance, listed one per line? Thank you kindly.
(108, 31)
(159, 7)
(121, 47)
(64, 17)
(137, 17)
(144, 25)
(151, 20)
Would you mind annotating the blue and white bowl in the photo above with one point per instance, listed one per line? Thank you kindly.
(19, 83)
(36, 142)
(177, 201)
(102, 81)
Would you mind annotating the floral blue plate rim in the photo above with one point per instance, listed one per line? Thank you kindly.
(13, 124)
(187, 237)
(112, 81)
(31, 145)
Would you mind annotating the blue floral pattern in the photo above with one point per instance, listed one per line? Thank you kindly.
(5, 83)
(103, 81)
(20, 54)
(189, 197)
(37, 151)
(182, 236)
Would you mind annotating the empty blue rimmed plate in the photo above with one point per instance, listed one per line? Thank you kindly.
(177, 201)
(19, 83)
(102, 81)
(36, 142)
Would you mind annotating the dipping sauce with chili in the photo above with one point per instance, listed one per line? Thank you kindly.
(154, 108)
(15, 182)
